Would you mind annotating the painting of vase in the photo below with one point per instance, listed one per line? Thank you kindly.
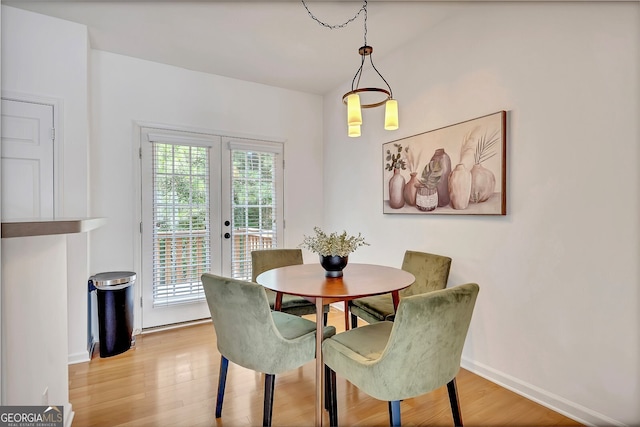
(462, 166)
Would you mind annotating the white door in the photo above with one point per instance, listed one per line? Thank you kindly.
(180, 224)
(27, 160)
(207, 202)
(252, 174)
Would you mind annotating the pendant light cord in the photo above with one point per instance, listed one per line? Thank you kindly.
(344, 24)
(355, 83)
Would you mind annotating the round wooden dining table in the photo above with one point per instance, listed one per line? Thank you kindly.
(309, 281)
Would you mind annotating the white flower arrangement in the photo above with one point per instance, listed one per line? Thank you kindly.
(333, 244)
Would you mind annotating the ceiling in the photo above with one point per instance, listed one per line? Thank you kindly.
(273, 43)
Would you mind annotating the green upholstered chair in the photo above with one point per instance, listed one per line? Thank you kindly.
(417, 353)
(267, 259)
(431, 272)
(251, 335)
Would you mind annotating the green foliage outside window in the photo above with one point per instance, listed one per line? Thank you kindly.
(253, 190)
(181, 186)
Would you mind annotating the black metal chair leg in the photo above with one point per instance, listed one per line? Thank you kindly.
(269, 385)
(394, 413)
(455, 403)
(331, 396)
(354, 321)
(327, 386)
(325, 318)
(222, 381)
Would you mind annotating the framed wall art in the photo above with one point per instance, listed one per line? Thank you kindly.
(456, 170)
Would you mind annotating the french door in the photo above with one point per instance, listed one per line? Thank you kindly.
(207, 201)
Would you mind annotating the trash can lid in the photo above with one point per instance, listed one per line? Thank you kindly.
(114, 279)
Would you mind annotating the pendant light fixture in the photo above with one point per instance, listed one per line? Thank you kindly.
(352, 98)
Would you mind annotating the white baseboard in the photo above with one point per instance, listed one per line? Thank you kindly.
(170, 327)
(545, 398)
(80, 357)
(338, 305)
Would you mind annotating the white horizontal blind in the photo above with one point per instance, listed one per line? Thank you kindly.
(181, 231)
(253, 204)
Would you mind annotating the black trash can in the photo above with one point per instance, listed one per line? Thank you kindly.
(115, 293)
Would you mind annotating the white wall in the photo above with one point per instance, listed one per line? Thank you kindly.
(127, 90)
(34, 362)
(557, 315)
(44, 57)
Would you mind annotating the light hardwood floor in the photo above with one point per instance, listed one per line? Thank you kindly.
(170, 379)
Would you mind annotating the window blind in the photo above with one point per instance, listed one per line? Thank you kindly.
(253, 204)
(181, 231)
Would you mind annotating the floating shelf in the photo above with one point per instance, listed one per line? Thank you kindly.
(45, 227)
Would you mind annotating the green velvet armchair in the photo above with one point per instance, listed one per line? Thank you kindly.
(267, 259)
(250, 334)
(431, 272)
(417, 353)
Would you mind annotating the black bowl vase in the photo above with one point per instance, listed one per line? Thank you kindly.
(333, 264)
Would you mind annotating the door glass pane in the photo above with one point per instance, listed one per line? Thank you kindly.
(181, 232)
(253, 207)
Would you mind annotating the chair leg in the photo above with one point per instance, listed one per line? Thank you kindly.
(327, 387)
(222, 381)
(346, 315)
(354, 321)
(331, 395)
(325, 318)
(269, 384)
(394, 413)
(455, 403)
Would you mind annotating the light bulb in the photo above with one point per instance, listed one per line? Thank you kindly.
(354, 113)
(391, 115)
(354, 131)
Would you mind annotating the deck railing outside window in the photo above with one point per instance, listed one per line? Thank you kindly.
(244, 241)
(180, 256)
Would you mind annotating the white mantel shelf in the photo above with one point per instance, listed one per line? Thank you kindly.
(46, 227)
